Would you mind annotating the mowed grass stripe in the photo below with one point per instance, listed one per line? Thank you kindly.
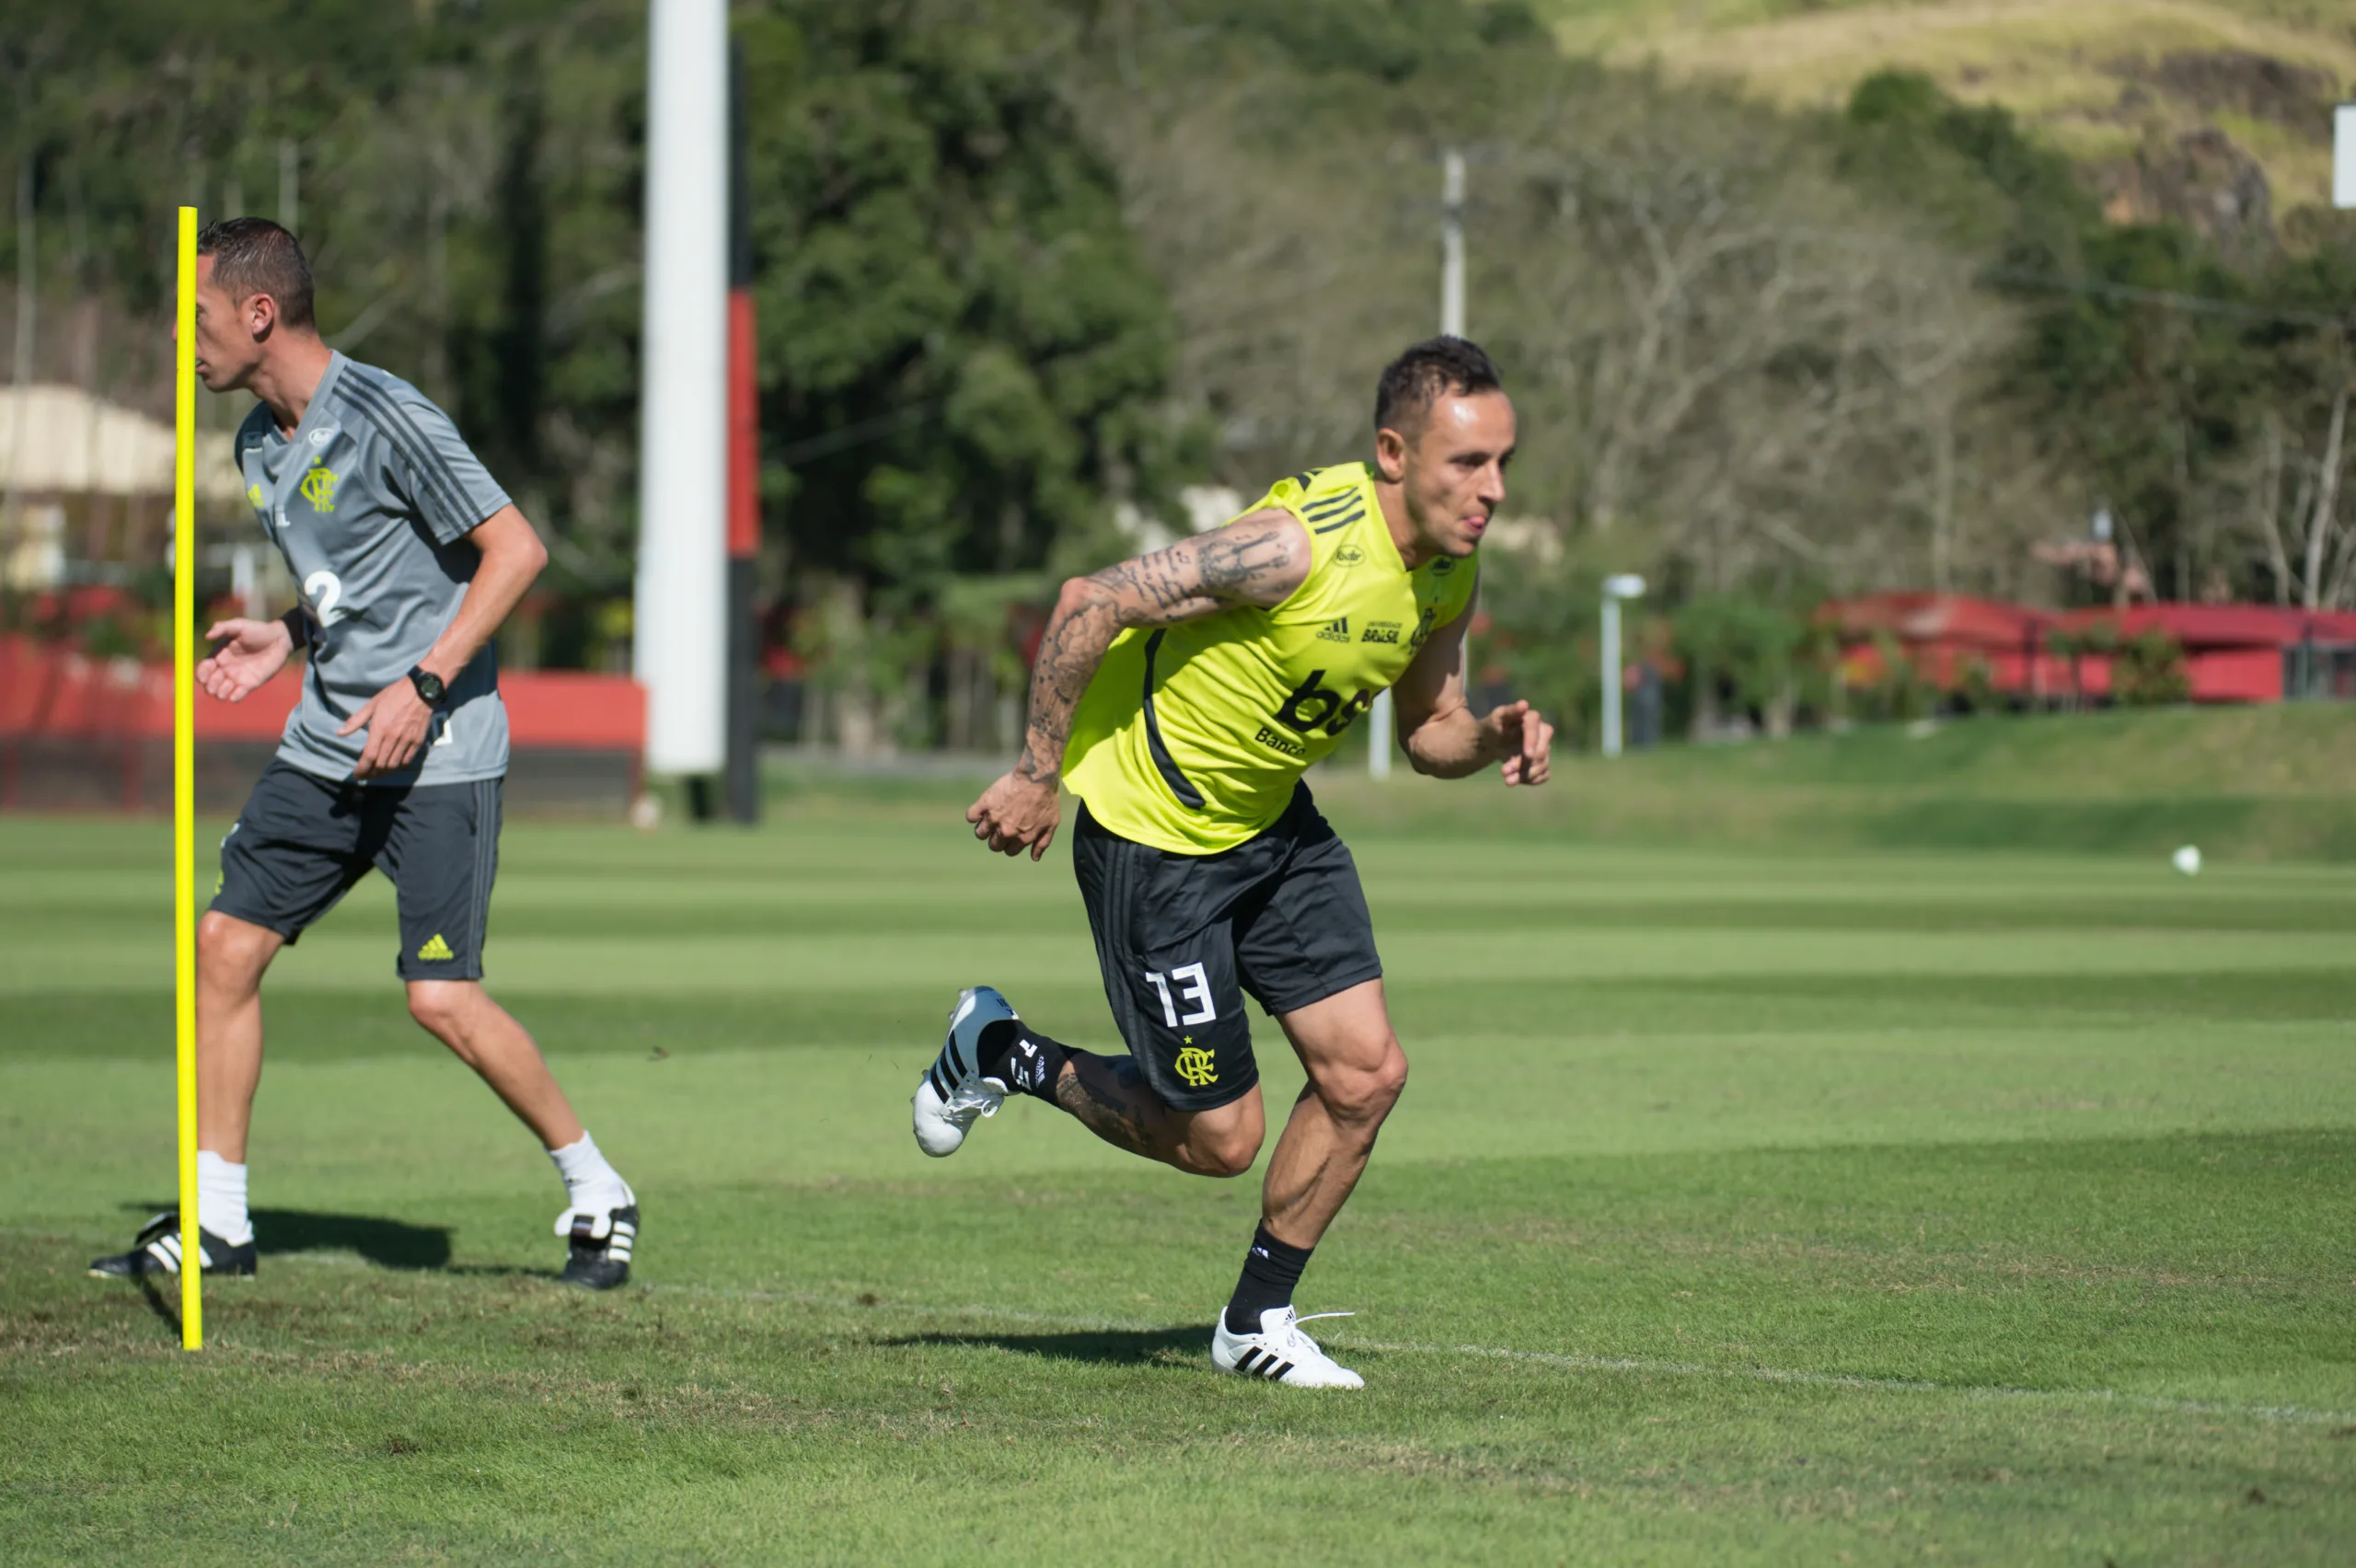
(344, 955)
(87, 1137)
(1927, 1014)
(785, 916)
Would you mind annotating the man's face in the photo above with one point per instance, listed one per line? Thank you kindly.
(1453, 471)
(229, 333)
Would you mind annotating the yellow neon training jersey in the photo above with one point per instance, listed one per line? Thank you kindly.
(1192, 736)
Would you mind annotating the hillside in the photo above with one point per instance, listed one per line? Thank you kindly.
(2115, 84)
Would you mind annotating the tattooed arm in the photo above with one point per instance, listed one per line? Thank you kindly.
(1260, 558)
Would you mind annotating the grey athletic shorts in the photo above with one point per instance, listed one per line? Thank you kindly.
(1181, 938)
(302, 841)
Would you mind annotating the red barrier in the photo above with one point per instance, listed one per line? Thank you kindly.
(2235, 674)
(55, 692)
(2232, 652)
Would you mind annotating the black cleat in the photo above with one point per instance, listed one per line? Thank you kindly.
(601, 1263)
(157, 1252)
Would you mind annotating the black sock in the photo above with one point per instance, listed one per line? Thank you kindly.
(1022, 1058)
(1271, 1269)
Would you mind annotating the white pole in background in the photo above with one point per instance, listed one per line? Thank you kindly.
(1451, 244)
(21, 374)
(290, 186)
(1615, 589)
(1611, 676)
(1379, 741)
(681, 635)
(2343, 156)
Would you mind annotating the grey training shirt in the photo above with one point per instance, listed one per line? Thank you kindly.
(371, 502)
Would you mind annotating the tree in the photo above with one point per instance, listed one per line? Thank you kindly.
(469, 196)
(963, 354)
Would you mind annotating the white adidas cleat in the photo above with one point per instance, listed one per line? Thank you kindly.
(952, 1093)
(1281, 1352)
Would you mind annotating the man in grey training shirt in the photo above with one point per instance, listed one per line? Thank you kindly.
(409, 557)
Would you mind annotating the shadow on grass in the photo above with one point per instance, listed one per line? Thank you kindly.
(1111, 1346)
(157, 1304)
(387, 1243)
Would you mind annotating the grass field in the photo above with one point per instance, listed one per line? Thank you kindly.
(1745, 1207)
(2244, 784)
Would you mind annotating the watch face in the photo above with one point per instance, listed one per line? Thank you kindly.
(429, 686)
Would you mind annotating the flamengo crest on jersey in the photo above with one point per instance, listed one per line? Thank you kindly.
(1191, 737)
(370, 501)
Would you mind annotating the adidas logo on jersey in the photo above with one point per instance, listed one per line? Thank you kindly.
(1338, 631)
(435, 950)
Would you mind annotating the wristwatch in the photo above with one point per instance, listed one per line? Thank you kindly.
(430, 687)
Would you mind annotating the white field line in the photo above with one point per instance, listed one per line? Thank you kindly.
(1572, 1362)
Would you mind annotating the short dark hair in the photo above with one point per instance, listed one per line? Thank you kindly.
(254, 256)
(1433, 369)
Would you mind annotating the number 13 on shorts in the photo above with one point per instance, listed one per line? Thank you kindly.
(1193, 989)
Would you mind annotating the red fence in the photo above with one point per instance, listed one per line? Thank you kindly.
(82, 731)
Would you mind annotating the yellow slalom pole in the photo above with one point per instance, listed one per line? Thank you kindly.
(184, 774)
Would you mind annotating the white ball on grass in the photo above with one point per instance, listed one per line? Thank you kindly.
(2188, 859)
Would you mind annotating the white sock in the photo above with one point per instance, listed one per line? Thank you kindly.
(589, 1182)
(220, 1199)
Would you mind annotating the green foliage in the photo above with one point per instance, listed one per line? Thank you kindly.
(1542, 641)
(1748, 646)
(1389, 41)
(1971, 169)
(2155, 368)
(1023, 262)
(2099, 638)
(1899, 691)
(2148, 671)
(467, 191)
(1974, 687)
(943, 277)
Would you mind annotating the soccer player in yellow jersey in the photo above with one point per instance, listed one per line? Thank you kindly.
(1181, 695)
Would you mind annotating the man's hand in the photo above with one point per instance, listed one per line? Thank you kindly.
(1522, 741)
(255, 651)
(1016, 814)
(396, 719)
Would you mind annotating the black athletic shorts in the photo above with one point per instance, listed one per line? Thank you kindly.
(1182, 937)
(302, 841)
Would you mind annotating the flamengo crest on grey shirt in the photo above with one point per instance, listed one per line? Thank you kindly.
(370, 502)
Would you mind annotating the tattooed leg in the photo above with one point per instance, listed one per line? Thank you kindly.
(1109, 1096)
